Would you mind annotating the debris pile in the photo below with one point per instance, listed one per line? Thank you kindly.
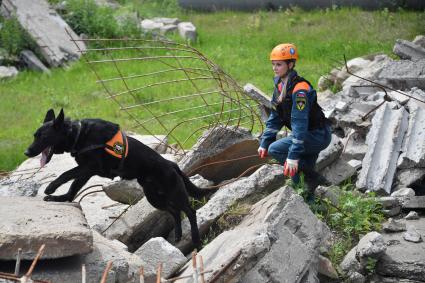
(378, 143)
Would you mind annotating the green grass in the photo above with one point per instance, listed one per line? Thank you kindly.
(238, 42)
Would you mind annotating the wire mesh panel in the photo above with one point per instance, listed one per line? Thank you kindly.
(170, 89)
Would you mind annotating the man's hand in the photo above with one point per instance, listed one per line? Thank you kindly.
(262, 152)
(290, 168)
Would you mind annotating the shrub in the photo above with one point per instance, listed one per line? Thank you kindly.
(12, 37)
(354, 216)
(84, 16)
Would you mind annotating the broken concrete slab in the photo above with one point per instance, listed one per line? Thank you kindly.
(47, 29)
(416, 202)
(407, 177)
(368, 71)
(124, 191)
(412, 215)
(30, 179)
(220, 144)
(158, 250)
(280, 240)
(267, 178)
(8, 72)
(403, 260)
(32, 62)
(125, 267)
(408, 50)
(372, 245)
(60, 226)
(413, 148)
(412, 235)
(264, 101)
(187, 31)
(404, 74)
(384, 142)
(339, 171)
(394, 225)
(329, 154)
(355, 146)
(140, 223)
(419, 40)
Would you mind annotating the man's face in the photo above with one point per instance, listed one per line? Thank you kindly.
(280, 67)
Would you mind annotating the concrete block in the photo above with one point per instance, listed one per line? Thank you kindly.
(413, 149)
(329, 154)
(404, 74)
(187, 31)
(158, 250)
(384, 142)
(408, 50)
(27, 223)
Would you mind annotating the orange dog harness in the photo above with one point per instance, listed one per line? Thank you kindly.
(118, 145)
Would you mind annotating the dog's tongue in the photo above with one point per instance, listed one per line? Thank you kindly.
(44, 155)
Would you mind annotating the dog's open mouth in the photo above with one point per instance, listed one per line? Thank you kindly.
(46, 155)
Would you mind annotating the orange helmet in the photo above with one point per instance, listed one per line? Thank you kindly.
(284, 51)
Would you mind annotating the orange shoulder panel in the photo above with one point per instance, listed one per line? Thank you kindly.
(300, 86)
(117, 144)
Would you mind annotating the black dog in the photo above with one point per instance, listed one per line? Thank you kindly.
(100, 148)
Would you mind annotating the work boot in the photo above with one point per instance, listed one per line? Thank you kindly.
(313, 179)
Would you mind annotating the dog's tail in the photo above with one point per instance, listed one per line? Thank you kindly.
(192, 189)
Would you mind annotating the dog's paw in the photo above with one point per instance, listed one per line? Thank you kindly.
(49, 198)
(49, 190)
(61, 198)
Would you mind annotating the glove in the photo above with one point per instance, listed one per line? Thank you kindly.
(262, 152)
(290, 168)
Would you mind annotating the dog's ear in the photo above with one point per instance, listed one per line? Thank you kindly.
(59, 120)
(50, 115)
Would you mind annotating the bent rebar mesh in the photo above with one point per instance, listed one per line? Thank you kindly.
(170, 89)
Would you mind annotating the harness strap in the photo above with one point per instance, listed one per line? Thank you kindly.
(76, 138)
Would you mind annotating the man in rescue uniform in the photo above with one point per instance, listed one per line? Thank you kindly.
(295, 107)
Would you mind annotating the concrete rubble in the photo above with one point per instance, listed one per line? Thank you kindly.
(279, 228)
(403, 260)
(266, 179)
(220, 144)
(408, 50)
(8, 72)
(384, 142)
(156, 251)
(62, 227)
(46, 28)
(378, 142)
(125, 266)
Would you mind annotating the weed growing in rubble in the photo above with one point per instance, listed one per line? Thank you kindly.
(12, 37)
(84, 16)
(353, 216)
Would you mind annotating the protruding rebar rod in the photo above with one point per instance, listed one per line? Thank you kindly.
(18, 262)
(106, 271)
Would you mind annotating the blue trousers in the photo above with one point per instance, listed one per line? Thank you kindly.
(315, 141)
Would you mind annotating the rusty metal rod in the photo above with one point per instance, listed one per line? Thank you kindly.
(140, 59)
(158, 84)
(381, 85)
(34, 262)
(18, 262)
(106, 271)
(153, 74)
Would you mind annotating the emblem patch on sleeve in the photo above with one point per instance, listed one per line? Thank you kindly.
(300, 101)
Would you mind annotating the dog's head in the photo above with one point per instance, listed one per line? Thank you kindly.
(49, 138)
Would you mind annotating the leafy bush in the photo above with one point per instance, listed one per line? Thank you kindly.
(12, 37)
(353, 217)
(84, 16)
